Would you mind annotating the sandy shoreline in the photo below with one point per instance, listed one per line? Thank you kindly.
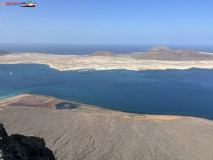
(47, 102)
(77, 62)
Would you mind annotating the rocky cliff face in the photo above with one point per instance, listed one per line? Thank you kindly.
(19, 147)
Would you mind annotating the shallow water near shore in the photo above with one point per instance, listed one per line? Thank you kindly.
(176, 92)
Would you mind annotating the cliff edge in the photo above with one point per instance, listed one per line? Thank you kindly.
(16, 147)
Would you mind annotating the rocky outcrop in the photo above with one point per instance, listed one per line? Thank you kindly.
(19, 147)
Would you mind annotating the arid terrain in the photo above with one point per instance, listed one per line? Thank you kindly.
(154, 59)
(89, 132)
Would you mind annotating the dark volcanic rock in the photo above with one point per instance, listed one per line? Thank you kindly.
(19, 147)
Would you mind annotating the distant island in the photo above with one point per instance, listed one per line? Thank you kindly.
(164, 53)
(157, 58)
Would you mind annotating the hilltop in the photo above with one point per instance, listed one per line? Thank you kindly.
(4, 53)
(165, 53)
(103, 53)
(161, 53)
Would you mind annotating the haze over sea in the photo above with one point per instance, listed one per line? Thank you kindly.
(89, 49)
(181, 92)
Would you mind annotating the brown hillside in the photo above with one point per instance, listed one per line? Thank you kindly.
(172, 55)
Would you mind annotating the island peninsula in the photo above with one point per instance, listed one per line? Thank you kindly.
(157, 58)
(91, 132)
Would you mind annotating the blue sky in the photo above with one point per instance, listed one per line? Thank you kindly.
(109, 22)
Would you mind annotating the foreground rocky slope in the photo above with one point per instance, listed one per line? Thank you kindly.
(19, 147)
(88, 132)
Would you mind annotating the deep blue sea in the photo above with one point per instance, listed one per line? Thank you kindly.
(177, 92)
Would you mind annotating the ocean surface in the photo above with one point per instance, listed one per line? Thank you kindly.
(176, 92)
(89, 49)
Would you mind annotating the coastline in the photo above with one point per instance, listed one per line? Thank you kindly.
(98, 63)
(29, 101)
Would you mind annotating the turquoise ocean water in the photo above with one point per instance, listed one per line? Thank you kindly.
(178, 92)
